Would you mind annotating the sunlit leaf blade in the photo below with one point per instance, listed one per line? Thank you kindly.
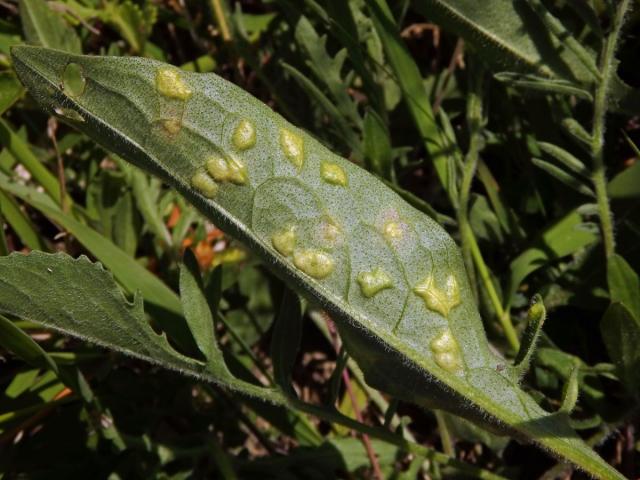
(390, 276)
(81, 299)
(505, 32)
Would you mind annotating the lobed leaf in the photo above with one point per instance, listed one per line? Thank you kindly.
(392, 278)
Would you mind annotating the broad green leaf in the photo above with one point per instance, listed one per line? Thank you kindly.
(81, 299)
(127, 271)
(621, 335)
(43, 26)
(563, 238)
(506, 33)
(624, 284)
(509, 35)
(391, 277)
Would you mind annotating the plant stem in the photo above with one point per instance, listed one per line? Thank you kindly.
(485, 278)
(219, 14)
(470, 250)
(599, 116)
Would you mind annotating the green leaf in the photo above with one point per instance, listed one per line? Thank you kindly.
(509, 35)
(22, 345)
(43, 26)
(626, 185)
(564, 237)
(505, 33)
(563, 176)
(127, 271)
(377, 145)
(391, 277)
(285, 342)
(133, 23)
(542, 84)
(624, 284)
(621, 335)
(23, 154)
(408, 77)
(564, 157)
(20, 222)
(327, 69)
(81, 299)
(10, 90)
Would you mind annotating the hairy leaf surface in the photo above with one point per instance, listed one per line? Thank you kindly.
(80, 298)
(392, 277)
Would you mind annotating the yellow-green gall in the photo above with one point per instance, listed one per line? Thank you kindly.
(172, 126)
(73, 80)
(170, 84)
(373, 282)
(204, 184)
(292, 146)
(446, 352)
(227, 170)
(244, 136)
(334, 174)
(439, 300)
(315, 263)
(284, 241)
(392, 230)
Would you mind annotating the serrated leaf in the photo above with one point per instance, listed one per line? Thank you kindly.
(81, 299)
(318, 221)
(505, 33)
(509, 35)
(43, 26)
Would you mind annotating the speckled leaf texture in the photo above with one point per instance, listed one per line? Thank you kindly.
(390, 276)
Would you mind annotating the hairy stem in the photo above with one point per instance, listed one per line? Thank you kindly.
(599, 116)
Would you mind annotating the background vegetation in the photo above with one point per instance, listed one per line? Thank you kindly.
(499, 137)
